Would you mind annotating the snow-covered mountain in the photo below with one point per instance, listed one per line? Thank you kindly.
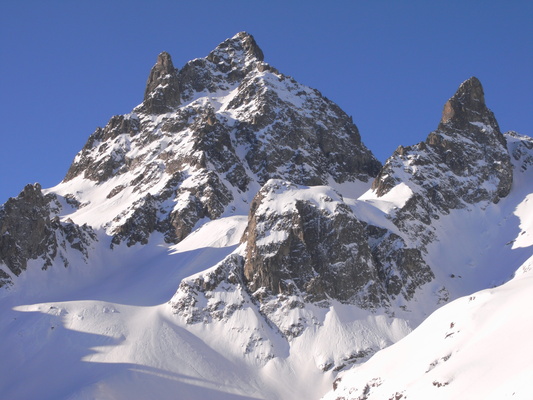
(232, 237)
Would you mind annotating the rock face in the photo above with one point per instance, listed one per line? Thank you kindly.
(31, 230)
(401, 269)
(213, 133)
(317, 250)
(100, 169)
(465, 161)
(304, 245)
(222, 289)
(312, 245)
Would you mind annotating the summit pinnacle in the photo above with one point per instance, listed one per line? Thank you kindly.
(239, 49)
(162, 88)
(464, 161)
(469, 96)
(466, 108)
(249, 45)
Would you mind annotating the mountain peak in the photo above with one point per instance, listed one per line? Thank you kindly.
(162, 88)
(465, 161)
(470, 91)
(469, 96)
(466, 108)
(240, 49)
(165, 60)
(249, 44)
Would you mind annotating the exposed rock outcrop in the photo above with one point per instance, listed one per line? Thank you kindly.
(319, 250)
(31, 230)
(162, 92)
(112, 143)
(222, 290)
(308, 242)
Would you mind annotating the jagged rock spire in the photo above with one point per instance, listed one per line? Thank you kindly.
(469, 96)
(466, 109)
(162, 88)
(228, 64)
(249, 45)
(464, 161)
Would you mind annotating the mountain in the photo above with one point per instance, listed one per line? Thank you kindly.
(232, 237)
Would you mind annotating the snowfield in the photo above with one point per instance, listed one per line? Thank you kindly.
(108, 333)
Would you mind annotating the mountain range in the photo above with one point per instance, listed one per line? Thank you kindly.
(232, 237)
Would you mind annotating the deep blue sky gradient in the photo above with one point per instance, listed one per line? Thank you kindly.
(66, 67)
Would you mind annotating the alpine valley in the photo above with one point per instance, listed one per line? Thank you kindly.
(233, 238)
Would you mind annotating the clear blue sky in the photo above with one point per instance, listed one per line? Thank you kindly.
(66, 67)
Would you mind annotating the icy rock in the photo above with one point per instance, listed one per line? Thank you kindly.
(521, 150)
(401, 269)
(213, 295)
(102, 168)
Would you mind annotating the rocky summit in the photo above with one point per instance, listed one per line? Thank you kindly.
(208, 135)
(232, 237)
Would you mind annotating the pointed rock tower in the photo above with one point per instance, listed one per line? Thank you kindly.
(162, 92)
(464, 161)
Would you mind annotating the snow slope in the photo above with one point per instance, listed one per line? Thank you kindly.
(108, 333)
(477, 347)
(115, 337)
